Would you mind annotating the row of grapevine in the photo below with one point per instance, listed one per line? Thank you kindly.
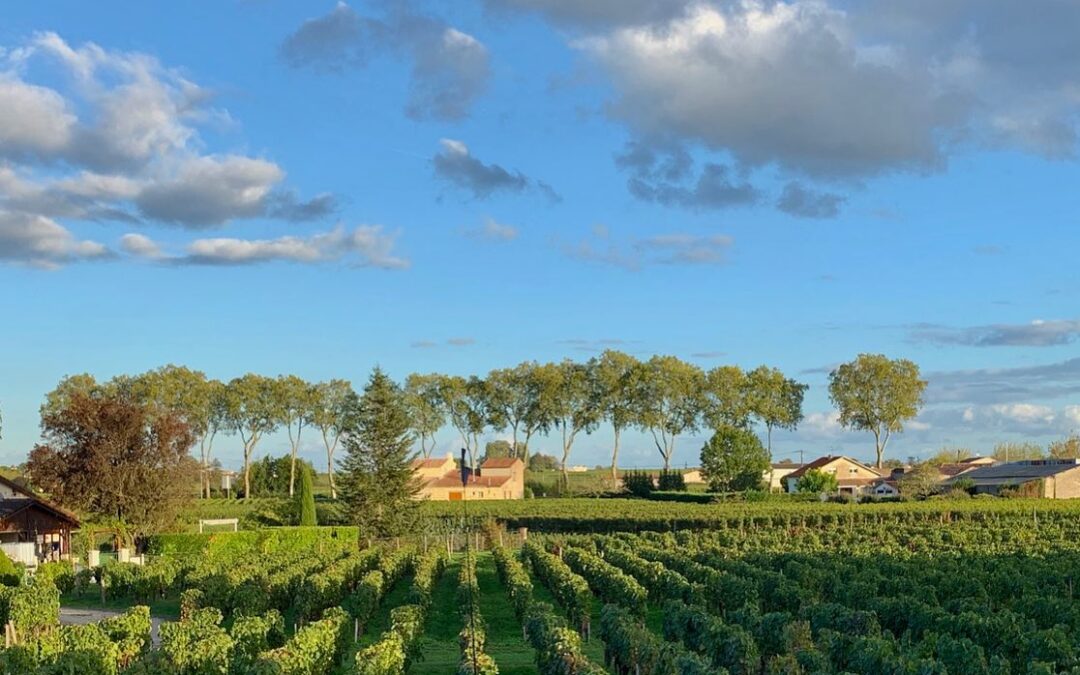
(333, 583)
(105, 647)
(661, 583)
(797, 612)
(570, 590)
(369, 591)
(558, 648)
(608, 582)
(397, 648)
(1059, 518)
(473, 635)
(313, 650)
(631, 648)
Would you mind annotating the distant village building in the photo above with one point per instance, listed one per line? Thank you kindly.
(440, 479)
(778, 471)
(31, 528)
(852, 477)
(773, 477)
(1050, 478)
(953, 469)
(693, 477)
(887, 486)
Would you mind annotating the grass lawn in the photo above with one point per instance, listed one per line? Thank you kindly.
(439, 644)
(165, 608)
(506, 645)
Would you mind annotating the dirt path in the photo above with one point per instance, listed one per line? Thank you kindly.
(72, 616)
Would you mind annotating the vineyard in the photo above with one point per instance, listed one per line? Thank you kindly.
(761, 591)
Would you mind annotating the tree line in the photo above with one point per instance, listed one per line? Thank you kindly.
(663, 396)
(250, 406)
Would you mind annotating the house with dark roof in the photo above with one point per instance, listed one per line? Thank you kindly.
(499, 478)
(33, 529)
(953, 469)
(1050, 478)
(852, 477)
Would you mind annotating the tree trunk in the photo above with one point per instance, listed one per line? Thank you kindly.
(330, 447)
(249, 447)
(525, 449)
(330, 473)
(768, 436)
(879, 447)
(615, 461)
(568, 442)
(206, 447)
(295, 447)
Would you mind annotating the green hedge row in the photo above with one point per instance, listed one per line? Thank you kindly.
(269, 541)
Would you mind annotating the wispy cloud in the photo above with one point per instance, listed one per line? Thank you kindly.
(636, 253)
(363, 246)
(1038, 333)
(493, 230)
(449, 342)
(599, 345)
(456, 165)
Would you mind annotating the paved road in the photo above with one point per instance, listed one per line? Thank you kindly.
(77, 616)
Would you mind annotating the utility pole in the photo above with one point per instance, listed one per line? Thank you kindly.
(466, 473)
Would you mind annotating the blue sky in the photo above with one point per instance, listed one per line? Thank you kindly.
(319, 188)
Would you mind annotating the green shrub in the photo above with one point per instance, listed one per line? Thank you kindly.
(817, 481)
(638, 483)
(306, 499)
(61, 574)
(672, 481)
(385, 657)
(130, 632)
(253, 635)
(197, 646)
(10, 575)
(80, 649)
(312, 651)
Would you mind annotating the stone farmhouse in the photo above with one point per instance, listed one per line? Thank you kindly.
(440, 479)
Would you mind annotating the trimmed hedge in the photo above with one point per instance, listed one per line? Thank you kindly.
(269, 541)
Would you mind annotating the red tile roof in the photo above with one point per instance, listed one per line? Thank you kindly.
(824, 461)
(500, 463)
(429, 463)
(453, 479)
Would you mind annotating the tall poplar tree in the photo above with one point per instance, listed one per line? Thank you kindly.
(877, 394)
(616, 376)
(376, 480)
(328, 416)
(775, 400)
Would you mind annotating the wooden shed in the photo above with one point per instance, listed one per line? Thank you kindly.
(26, 518)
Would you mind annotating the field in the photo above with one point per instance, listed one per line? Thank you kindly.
(622, 587)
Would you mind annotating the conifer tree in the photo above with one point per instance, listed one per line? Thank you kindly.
(377, 483)
(306, 498)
